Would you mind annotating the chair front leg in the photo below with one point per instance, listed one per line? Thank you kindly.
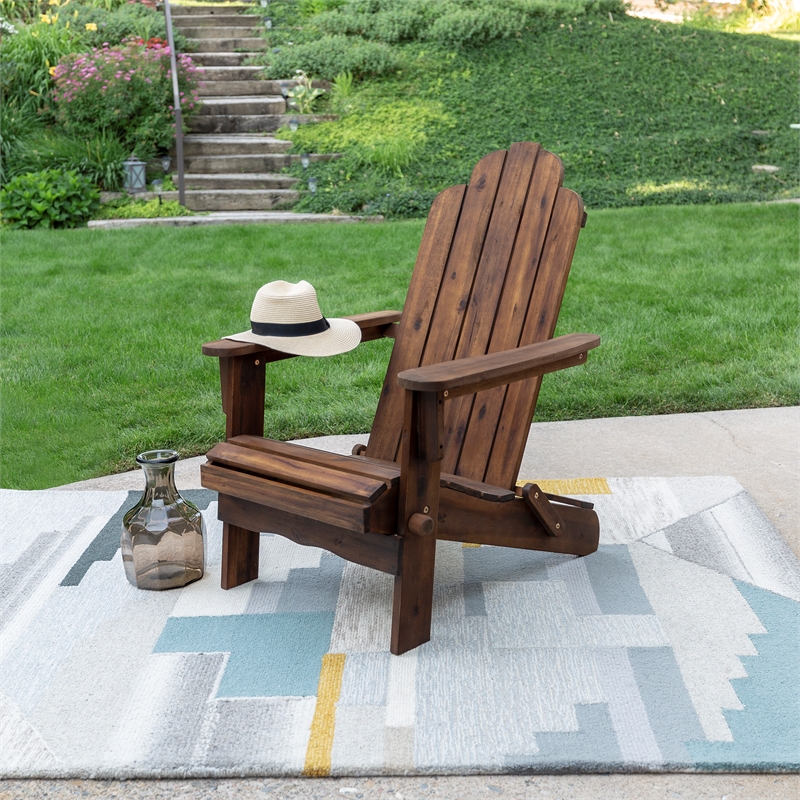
(239, 555)
(242, 381)
(418, 508)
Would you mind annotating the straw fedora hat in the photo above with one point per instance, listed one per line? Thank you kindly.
(286, 317)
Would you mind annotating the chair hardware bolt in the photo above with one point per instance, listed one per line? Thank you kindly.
(536, 495)
(557, 526)
(257, 362)
(446, 393)
(426, 510)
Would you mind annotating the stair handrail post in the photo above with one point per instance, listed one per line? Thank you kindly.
(176, 104)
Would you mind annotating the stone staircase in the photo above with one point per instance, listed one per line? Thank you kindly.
(231, 160)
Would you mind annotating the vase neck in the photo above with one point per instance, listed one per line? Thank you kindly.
(160, 482)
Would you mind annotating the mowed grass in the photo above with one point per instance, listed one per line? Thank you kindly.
(697, 308)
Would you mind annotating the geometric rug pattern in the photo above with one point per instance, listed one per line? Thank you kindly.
(675, 647)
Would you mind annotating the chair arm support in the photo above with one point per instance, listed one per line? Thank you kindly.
(468, 375)
(374, 325)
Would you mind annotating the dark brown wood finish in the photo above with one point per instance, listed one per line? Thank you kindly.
(419, 495)
(472, 343)
(464, 518)
(423, 290)
(386, 471)
(540, 324)
(543, 509)
(242, 380)
(239, 555)
(512, 310)
(497, 369)
(321, 507)
(490, 277)
(348, 486)
(374, 551)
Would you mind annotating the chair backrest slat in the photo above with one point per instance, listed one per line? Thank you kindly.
(409, 344)
(490, 276)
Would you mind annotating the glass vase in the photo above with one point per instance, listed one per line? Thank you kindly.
(162, 535)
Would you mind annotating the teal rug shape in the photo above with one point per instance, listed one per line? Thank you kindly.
(766, 733)
(271, 655)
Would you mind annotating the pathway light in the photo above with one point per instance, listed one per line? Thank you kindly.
(305, 160)
(312, 185)
(294, 124)
(166, 161)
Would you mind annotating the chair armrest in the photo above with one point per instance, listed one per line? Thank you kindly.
(374, 325)
(468, 375)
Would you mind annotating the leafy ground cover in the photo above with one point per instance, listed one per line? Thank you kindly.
(642, 113)
(696, 306)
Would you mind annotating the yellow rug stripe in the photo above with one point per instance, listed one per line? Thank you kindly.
(320, 742)
(571, 486)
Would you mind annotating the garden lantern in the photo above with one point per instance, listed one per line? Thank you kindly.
(135, 180)
(294, 124)
(305, 160)
(158, 185)
(285, 86)
(165, 164)
(264, 3)
(268, 23)
(312, 185)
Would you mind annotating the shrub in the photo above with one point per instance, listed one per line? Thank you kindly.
(142, 209)
(17, 10)
(15, 127)
(125, 92)
(48, 199)
(402, 204)
(130, 21)
(331, 55)
(99, 160)
(451, 23)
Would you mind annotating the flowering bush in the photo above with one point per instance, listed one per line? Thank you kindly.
(126, 92)
(26, 58)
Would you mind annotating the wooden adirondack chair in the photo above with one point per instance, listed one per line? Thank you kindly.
(471, 345)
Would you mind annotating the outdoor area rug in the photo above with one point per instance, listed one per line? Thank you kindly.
(675, 647)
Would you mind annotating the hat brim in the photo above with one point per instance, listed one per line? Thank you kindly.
(342, 336)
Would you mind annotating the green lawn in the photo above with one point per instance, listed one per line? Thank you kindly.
(696, 306)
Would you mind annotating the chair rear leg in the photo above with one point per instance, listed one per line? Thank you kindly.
(239, 555)
(413, 594)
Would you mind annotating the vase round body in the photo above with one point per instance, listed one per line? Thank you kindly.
(162, 535)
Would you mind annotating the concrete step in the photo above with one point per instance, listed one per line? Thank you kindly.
(245, 105)
(255, 180)
(222, 59)
(231, 88)
(220, 9)
(225, 32)
(235, 199)
(240, 123)
(222, 199)
(229, 218)
(237, 45)
(220, 20)
(261, 162)
(225, 74)
(232, 145)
